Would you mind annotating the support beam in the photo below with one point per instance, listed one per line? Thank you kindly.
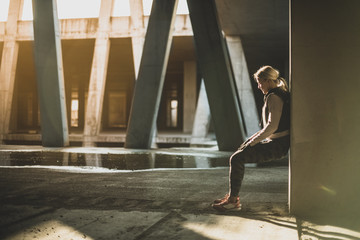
(243, 84)
(216, 71)
(49, 74)
(8, 66)
(97, 82)
(151, 76)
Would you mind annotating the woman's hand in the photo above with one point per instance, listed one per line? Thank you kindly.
(245, 144)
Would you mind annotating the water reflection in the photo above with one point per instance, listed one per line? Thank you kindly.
(122, 161)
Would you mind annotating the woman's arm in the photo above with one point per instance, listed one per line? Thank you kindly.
(275, 105)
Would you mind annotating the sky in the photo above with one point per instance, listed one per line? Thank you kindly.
(75, 8)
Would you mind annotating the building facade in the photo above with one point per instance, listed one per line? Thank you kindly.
(125, 38)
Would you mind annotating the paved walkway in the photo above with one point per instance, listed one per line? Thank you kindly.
(39, 202)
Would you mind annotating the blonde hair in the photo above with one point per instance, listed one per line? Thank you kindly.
(270, 73)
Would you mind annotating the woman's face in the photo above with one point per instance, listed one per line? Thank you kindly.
(263, 85)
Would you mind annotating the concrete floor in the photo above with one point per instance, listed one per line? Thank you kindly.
(38, 202)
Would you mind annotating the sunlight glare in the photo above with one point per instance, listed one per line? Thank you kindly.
(68, 9)
(27, 14)
(51, 229)
(121, 8)
(181, 9)
(236, 227)
(78, 8)
(4, 9)
(75, 9)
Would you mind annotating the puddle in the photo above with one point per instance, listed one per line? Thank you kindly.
(122, 161)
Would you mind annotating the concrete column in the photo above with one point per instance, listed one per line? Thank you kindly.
(189, 96)
(98, 75)
(216, 71)
(49, 74)
(138, 32)
(325, 53)
(202, 118)
(8, 66)
(151, 76)
(243, 84)
(137, 41)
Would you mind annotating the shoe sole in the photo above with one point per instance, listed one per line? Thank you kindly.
(220, 200)
(222, 209)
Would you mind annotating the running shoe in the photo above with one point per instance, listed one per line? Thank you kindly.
(227, 206)
(223, 199)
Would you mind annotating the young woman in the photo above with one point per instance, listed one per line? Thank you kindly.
(270, 143)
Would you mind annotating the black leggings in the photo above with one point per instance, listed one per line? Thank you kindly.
(261, 152)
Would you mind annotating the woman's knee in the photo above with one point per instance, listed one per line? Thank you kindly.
(237, 158)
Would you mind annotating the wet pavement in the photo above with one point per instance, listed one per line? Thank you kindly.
(154, 194)
(111, 160)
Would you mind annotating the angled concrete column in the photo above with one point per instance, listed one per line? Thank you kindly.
(137, 41)
(243, 84)
(189, 96)
(202, 118)
(49, 74)
(98, 75)
(151, 76)
(216, 71)
(8, 66)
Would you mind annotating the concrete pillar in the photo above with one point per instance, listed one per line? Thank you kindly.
(189, 96)
(137, 40)
(138, 32)
(325, 53)
(151, 76)
(98, 75)
(49, 74)
(216, 71)
(243, 84)
(8, 66)
(202, 118)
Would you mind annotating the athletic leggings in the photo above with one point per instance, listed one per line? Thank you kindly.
(261, 152)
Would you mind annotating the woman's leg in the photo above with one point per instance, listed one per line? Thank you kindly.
(261, 152)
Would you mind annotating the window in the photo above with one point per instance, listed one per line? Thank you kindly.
(172, 109)
(74, 109)
(173, 114)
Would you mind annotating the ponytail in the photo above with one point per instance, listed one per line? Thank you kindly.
(283, 84)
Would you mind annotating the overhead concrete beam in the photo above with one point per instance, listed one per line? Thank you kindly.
(49, 74)
(149, 85)
(215, 68)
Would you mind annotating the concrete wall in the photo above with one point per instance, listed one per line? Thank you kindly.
(325, 83)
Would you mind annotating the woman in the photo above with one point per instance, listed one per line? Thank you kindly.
(270, 143)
